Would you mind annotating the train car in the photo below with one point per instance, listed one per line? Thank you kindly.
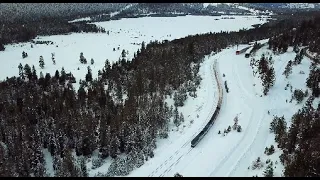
(205, 130)
(197, 139)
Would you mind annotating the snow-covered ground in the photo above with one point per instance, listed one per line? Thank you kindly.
(215, 155)
(126, 34)
(231, 155)
(80, 19)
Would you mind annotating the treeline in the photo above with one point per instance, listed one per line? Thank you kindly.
(26, 30)
(306, 34)
(123, 111)
(300, 141)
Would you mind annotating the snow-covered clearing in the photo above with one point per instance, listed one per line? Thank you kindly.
(215, 155)
(126, 34)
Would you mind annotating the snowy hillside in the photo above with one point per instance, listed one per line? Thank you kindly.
(234, 153)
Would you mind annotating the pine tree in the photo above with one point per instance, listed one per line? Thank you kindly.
(89, 75)
(57, 75)
(298, 95)
(41, 62)
(123, 54)
(82, 59)
(271, 150)
(37, 158)
(239, 129)
(63, 76)
(53, 58)
(285, 47)
(27, 71)
(177, 175)
(181, 118)
(269, 170)
(171, 111)
(288, 69)
(176, 119)
(115, 147)
(273, 124)
(280, 130)
(20, 70)
(296, 48)
(83, 167)
(34, 73)
(24, 55)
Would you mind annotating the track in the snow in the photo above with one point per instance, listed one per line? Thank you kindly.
(168, 169)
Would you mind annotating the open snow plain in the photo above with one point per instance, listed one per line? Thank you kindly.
(215, 155)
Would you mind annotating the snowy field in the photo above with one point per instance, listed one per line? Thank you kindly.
(215, 155)
(231, 155)
(126, 34)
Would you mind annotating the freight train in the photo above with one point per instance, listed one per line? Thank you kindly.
(204, 131)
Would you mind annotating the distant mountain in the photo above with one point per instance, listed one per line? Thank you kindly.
(174, 9)
(33, 11)
(285, 6)
(16, 11)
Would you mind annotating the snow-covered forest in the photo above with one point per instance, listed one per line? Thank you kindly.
(109, 121)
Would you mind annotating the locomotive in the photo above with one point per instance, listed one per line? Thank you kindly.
(204, 131)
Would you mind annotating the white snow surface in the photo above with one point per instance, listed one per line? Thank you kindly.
(231, 155)
(123, 33)
(80, 19)
(215, 155)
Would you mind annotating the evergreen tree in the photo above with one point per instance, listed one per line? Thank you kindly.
(57, 75)
(89, 75)
(181, 118)
(83, 167)
(298, 95)
(34, 73)
(41, 62)
(269, 170)
(288, 69)
(24, 55)
(63, 76)
(239, 129)
(228, 129)
(20, 70)
(176, 119)
(123, 54)
(27, 71)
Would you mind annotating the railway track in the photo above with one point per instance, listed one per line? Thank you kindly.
(205, 130)
(162, 169)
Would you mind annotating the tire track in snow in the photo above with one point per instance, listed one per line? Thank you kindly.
(251, 124)
(257, 132)
(248, 149)
(225, 158)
